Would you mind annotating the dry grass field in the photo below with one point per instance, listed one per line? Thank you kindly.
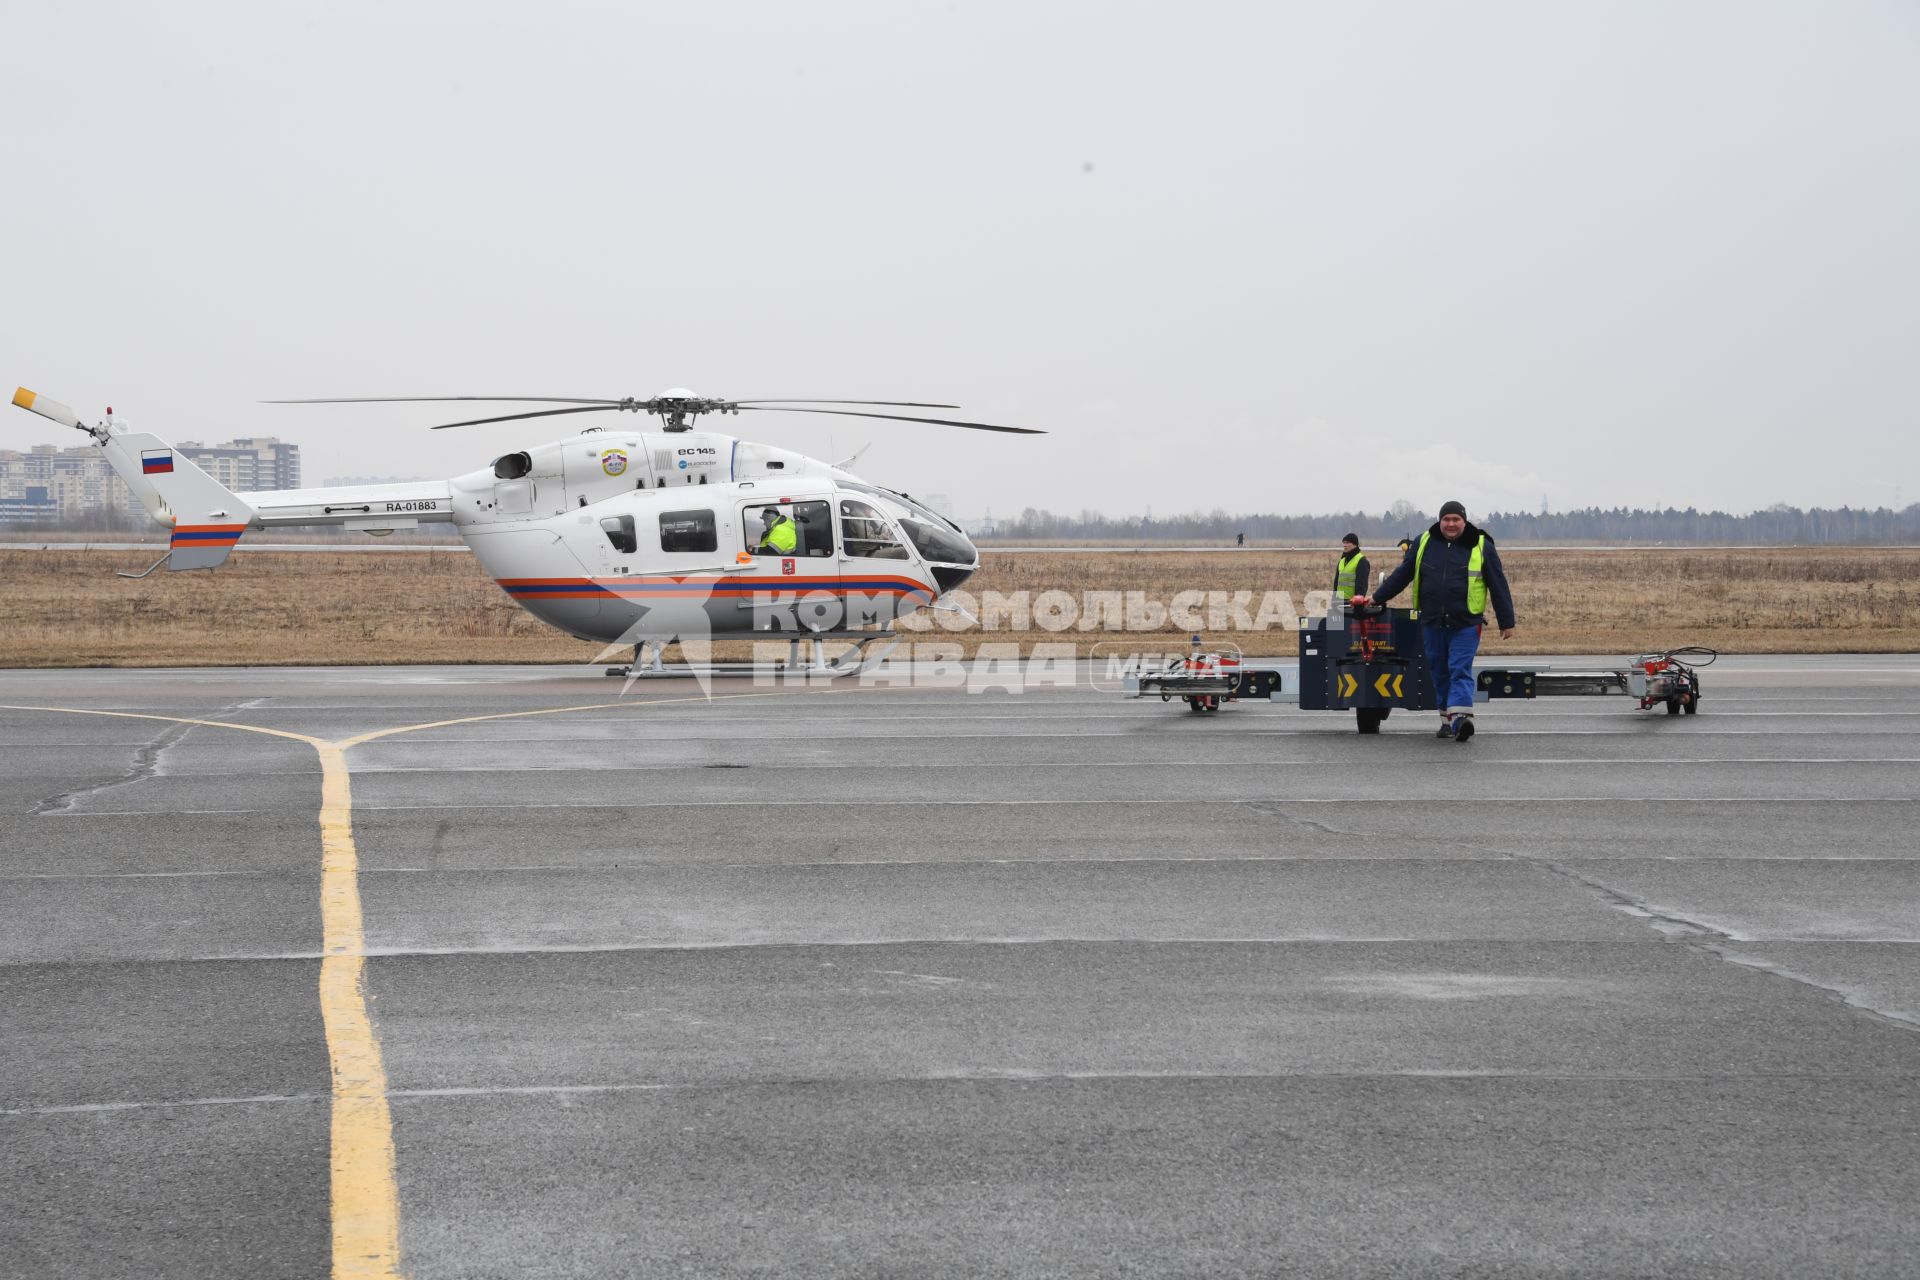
(66, 608)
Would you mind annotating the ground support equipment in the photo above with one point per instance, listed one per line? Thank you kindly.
(1374, 660)
(1205, 680)
(1654, 679)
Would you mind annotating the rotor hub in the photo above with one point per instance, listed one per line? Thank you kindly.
(678, 408)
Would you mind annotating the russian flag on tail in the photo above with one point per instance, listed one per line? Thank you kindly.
(156, 462)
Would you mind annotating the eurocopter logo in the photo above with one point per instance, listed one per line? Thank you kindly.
(613, 462)
(683, 464)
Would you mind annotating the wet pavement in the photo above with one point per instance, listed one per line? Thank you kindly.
(836, 980)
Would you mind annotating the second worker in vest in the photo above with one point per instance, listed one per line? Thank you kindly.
(1453, 571)
(1351, 573)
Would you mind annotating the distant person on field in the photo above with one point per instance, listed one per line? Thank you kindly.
(1454, 571)
(1351, 571)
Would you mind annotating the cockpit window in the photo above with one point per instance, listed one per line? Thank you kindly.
(789, 529)
(925, 513)
(939, 543)
(865, 532)
(511, 466)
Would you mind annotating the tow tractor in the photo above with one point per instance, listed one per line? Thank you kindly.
(1373, 661)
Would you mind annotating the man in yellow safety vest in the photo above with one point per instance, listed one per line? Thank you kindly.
(1351, 572)
(1454, 572)
(780, 536)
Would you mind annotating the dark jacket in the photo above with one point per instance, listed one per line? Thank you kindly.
(1443, 581)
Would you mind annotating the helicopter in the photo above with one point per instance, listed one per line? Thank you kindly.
(615, 536)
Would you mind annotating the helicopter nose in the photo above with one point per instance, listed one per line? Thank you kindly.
(949, 554)
(964, 563)
(950, 576)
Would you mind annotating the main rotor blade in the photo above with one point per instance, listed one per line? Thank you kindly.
(902, 404)
(940, 422)
(436, 399)
(538, 413)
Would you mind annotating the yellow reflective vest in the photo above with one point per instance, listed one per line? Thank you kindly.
(1476, 583)
(1343, 577)
(783, 537)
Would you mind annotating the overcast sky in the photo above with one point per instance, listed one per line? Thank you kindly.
(1256, 256)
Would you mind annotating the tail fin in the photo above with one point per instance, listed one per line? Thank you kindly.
(206, 516)
(207, 519)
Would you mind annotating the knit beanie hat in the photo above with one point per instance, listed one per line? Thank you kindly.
(1453, 509)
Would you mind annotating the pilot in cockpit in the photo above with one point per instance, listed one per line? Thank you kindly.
(780, 536)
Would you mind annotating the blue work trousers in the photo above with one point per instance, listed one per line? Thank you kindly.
(1450, 653)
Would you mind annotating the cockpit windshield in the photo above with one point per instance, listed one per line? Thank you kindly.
(934, 536)
(925, 513)
(866, 533)
(939, 543)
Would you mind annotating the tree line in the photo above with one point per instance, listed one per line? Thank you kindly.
(1776, 525)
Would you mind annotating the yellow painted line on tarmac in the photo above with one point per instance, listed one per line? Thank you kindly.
(365, 1193)
(136, 715)
(366, 1199)
(556, 711)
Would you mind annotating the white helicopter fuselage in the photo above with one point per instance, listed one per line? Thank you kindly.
(613, 536)
(627, 536)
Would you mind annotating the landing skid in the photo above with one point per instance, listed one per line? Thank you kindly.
(646, 662)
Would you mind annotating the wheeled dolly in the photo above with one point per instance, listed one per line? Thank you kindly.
(1373, 661)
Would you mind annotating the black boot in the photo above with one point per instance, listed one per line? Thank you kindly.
(1462, 728)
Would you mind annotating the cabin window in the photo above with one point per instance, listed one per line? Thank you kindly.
(619, 531)
(511, 466)
(937, 543)
(866, 532)
(812, 532)
(688, 531)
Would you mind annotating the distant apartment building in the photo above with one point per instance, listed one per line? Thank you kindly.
(48, 485)
(242, 465)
